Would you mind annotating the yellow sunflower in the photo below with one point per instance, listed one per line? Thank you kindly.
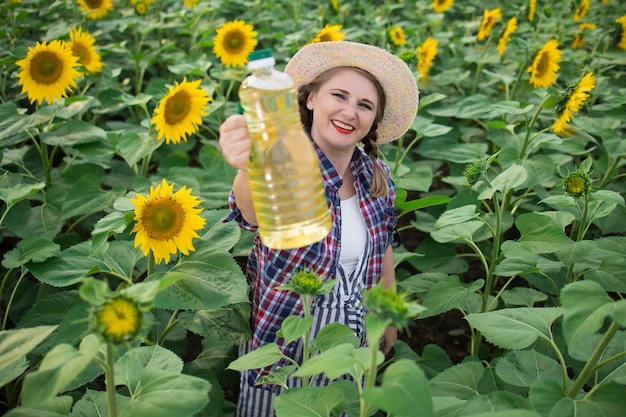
(48, 71)
(511, 25)
(329, 33)
(233, 42)
(180, 112)
(581, 10)
(489, 19)
(119, 319)
(397, 36)
(166, 222)
(426, 53)
(146, 2)
(572, 101)
(544, 68)
(141, 8)
(621, 32)
(335, 5)
(82, 46)
(532, 5)
(440, 6)
(579, 39)
(191, 3)
(96, 9)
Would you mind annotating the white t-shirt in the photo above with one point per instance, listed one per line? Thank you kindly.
(353, 234)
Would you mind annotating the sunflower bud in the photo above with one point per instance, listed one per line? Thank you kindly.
(577, 183)
(386, 304)
(118, 319)
(306, 283)
(475, 170)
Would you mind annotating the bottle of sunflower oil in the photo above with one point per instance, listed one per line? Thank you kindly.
(283, 169)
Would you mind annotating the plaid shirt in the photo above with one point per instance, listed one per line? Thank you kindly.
(268, 268)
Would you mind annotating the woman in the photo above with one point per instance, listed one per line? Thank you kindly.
(350, 94)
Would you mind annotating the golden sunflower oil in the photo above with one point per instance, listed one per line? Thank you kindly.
(284, 173)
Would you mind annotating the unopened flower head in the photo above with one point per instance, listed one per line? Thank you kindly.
(306, 283)
(386, 304)
(577, 183)
(118, 319)
(475, 171)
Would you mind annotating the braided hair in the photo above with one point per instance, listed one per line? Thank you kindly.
(379, 187)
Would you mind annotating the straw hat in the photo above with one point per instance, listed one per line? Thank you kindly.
(394, 75)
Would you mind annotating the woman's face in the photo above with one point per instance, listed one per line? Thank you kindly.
(344, 110)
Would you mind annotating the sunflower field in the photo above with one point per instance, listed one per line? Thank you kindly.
(122, 292)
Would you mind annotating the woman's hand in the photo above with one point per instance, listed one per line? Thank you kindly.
(235, 141)
(390, 337)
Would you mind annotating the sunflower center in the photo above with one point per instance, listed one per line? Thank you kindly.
(235, 42)
(177, 107)
(94, 4)
(46, 68)
(543, 64)
(82, 53)
(163, 220)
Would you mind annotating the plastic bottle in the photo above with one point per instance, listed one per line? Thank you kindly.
(284, 172)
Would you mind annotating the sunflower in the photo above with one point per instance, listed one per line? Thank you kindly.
(119, 319)
(48, 71)
(96, 9)
(544, 68)
(397, 36)
(571, 102)
(579, 39)
(146, 2)
(329, 33)
(440, 6)
(180, 112)
(426, 53)
(511, 25)
(82, 46)
(577, 183)
(191, 3)
(489, 19)
(335, 5)
(141, 8)
(621, 32)
(233, 42)
(532, 5)
(581, 10)
(166, 222)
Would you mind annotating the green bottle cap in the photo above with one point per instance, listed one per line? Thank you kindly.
(260, 54)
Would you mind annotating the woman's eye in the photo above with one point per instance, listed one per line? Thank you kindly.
(366, 106)
(339, 95)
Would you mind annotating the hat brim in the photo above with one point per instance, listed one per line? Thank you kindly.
(394, 75)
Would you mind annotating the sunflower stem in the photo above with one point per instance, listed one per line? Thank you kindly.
(110, 379)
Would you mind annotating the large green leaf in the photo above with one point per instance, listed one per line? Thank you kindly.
(54, 407)
(447, 294)
(72, 265)
(308, 402)
(404, 391)
(259, 358)
(163, 394)
(521, 368)
(460, 381)
(20, 192)
(505, 182)
(499, 402)
(129, 367)
(14, 345)
(57, 370)
(30, 249)
(88, 196)
(541, 234)
(295, 327)
(74, 132)
(213, 283)
(334, 362)
(96, 403)
(585, 308)
(134, 146)
(515, 328)
(607, 401)
(334, 334)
